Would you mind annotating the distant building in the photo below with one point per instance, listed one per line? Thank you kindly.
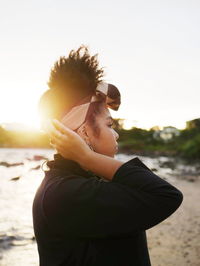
(167, 133)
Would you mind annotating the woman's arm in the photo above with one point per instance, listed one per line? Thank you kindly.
(135, 199)
(100, 164)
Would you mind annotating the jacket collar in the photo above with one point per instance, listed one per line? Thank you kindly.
(60, 164)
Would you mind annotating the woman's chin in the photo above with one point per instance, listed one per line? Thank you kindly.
(109, 154)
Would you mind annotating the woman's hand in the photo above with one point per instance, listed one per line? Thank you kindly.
(67, 142)
(71, 146)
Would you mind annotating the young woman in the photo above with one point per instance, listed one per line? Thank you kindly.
(90, 208)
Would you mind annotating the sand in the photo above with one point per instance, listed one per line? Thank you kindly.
(176, 241)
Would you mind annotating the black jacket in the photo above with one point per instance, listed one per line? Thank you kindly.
(81, 219)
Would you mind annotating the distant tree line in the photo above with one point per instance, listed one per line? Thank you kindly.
(23, 139)
(186, 144)
(135, 140)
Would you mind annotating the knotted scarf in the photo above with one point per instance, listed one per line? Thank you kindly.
(105, 92)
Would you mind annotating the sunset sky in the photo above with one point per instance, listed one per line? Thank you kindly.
(150, 51)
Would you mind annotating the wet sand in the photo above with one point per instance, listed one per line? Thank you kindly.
(176, 241)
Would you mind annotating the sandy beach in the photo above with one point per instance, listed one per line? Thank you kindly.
(176, 241)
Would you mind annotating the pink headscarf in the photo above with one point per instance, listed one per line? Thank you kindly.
(76, 116)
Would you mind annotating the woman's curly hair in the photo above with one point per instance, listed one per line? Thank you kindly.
(79, 68)
(71, 79)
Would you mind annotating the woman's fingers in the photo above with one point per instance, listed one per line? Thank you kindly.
(52, 131)
(62, 128)
(48, 126)
(65, 141)
(60, 150)
(59, 136)
(56, 144)
(58, 139)
(58, 130)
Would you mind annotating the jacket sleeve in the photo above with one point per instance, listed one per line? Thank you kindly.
(136, 199)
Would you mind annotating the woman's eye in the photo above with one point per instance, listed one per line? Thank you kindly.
(110, 125)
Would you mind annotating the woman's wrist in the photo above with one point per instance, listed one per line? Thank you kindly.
(100, 164)
(85, 158)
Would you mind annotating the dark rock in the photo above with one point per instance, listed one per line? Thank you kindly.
(6, 241)
(36, 167)
(168, 164)
(6, 238)
(5, 164)
(39, 157)
(10, 164)
(15, 178)
(191, 179)
(185, 254)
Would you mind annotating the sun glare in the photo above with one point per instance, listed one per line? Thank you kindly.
(21, 120)
(128, 124)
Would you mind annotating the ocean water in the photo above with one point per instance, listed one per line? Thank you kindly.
(18, 184)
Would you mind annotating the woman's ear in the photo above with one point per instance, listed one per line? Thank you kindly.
(82, 131)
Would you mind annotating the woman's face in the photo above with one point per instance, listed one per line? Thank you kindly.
(106, 142)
